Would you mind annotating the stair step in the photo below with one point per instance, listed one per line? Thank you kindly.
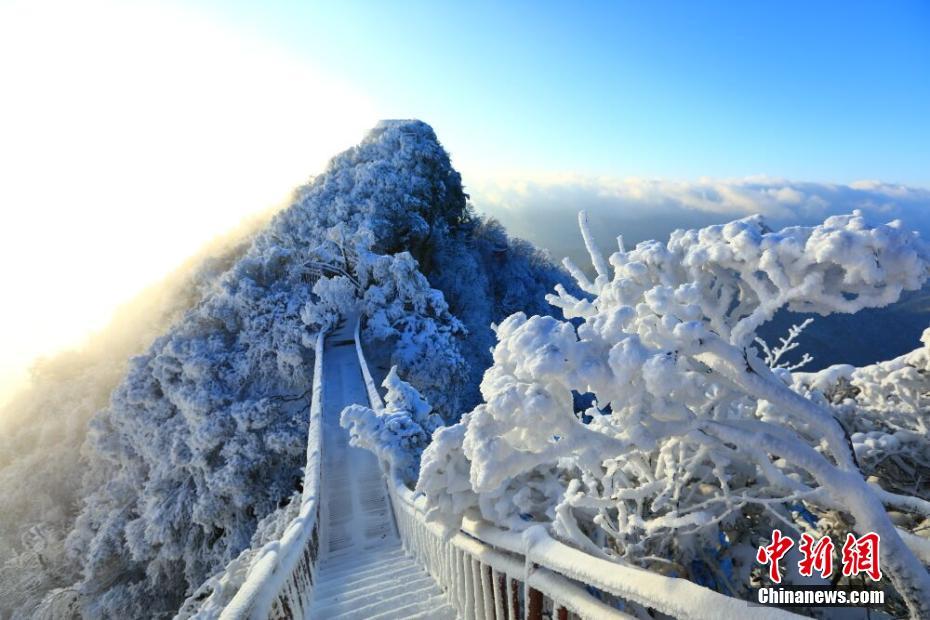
(445, 612)
(401, 606)
(424, 609)
(355, 563)
(363, 571)
(383, 551)
(326, 584)
(374, 592)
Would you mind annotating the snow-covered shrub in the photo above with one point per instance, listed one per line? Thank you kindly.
(445, 476)
(486, 276)
(401, 308)
(398, 434)
(205, 435)
(693, 439)
(208, 601)
(886, 409)
(334, 297)
(42, 431)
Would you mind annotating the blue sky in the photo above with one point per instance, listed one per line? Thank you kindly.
(822, 91)
(175, 119)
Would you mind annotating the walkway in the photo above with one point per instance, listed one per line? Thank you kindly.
(363, 570)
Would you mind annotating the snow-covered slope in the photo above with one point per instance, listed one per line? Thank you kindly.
(205, 434)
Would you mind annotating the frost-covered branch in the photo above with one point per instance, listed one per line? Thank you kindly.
(693, 438)
(399, 433)
(773, 356)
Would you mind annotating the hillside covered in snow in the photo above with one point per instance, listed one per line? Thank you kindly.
(204, 435)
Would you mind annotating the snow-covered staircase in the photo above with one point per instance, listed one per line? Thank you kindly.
(380, 583)
(363, 570)
(342, 556)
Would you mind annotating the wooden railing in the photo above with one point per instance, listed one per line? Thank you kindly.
(485, 582)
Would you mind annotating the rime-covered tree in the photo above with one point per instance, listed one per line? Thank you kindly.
(693, 444)
(43, 429)
(398, 433)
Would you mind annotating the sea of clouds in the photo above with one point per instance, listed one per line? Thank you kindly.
(543, 209)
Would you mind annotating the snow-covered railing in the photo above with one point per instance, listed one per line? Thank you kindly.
(486, 582)
(374, 397)
(676, 597)
(490, 573)
(280, 580)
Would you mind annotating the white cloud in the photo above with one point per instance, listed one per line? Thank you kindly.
(542, 209)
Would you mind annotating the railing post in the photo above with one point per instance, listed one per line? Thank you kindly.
(534, 604)
(469, 585)
(500, 593)
(474, 578)
(514, 600)
(487, 589)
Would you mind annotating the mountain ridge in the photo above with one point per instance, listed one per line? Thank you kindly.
(205, 434)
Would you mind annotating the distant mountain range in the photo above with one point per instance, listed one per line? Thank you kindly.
(869, 336)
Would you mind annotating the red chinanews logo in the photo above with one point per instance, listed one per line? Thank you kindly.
(859, 555)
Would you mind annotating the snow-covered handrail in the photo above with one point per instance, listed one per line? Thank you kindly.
(280, 580)
(676, 597)
(374, 397)
(483, 581)
(488, 572)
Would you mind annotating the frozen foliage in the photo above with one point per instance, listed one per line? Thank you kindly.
(886, 410)
(43, 429)
(205, 434)
(485, 277)
(694, 448)
(774, 356)
(208, 601)
(401, 308)
(397, 434)
(535, 208)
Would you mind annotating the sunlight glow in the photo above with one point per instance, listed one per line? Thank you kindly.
(130, 135)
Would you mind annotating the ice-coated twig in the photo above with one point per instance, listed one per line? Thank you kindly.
(773, 356)
(597, 259)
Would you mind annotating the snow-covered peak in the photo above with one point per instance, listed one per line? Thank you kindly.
(407, 125)
(206, 433)
(397, 183)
